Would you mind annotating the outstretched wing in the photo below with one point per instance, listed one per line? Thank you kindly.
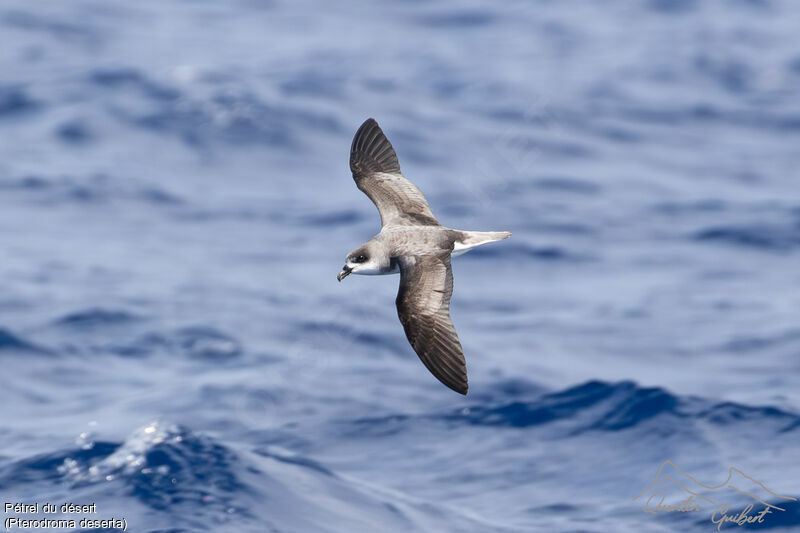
(376, 171)
(423, 305)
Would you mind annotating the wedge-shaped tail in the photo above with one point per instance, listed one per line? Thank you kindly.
(468, 240)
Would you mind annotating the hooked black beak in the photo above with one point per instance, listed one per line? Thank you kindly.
(344, 273)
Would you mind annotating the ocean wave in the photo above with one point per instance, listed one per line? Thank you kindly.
(613, 407)
(97, 189)
(161, 465)
(9, 342)
(743, 343)
(204, 342)
(199, 342)
(96, 318)
(511, 248)
(195, 482)
(567, 184)
(224, 116)
(69, 31)
(457, 19)
(603, 406)
(327, 333)
(75, 131)
(100, 332)
(121, 78)
(16, 100)
(591, 406)
(777, 238)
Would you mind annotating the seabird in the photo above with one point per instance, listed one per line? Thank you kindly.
(413, 243)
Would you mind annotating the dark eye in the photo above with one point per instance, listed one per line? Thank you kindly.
(360, 259)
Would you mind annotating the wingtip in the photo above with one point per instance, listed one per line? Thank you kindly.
(367, 124)
(371, 151)
(461, 388)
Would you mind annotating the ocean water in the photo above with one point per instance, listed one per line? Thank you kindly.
(175, 204)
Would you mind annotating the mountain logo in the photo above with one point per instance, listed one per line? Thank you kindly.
(673, 490)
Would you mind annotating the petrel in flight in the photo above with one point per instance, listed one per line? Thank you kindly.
(412, 242)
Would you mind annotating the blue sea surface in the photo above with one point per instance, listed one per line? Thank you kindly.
(175, 204)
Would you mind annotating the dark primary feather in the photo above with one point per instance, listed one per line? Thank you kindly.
(423, 305)
(372, 152)
(376, 172)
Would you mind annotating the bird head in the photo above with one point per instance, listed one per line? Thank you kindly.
(365, 259)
